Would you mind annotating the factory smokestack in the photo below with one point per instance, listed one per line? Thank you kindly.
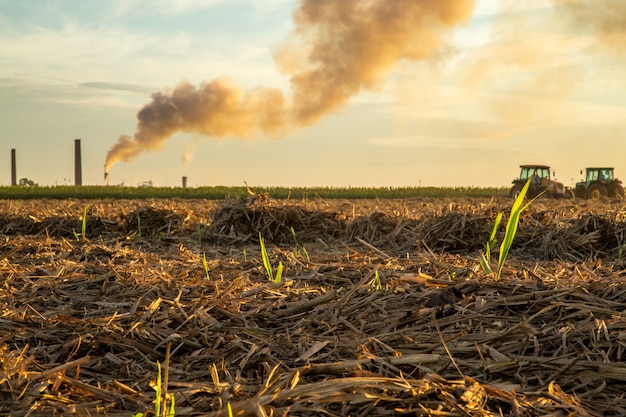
(338, 49)
(78, 164)
(184, 182)
(13, 169)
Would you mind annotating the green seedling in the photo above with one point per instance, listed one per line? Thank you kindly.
(511, 226)
(279, 273)
(161, 399)
(201, 232)
(83, 228)
(377, 285)
(266, 258)
(138, 234)
(171, 410)
(157, 392)
(297, 248)
(206, 266)
(267, 264)
(485, 258)
(509, 233)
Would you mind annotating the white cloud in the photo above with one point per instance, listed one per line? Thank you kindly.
(73, 55)
(183, 6)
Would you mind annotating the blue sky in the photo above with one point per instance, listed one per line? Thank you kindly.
(519, 82)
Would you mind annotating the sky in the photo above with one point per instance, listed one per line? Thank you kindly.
(305, 93)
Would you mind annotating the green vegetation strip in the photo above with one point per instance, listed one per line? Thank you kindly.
(219, 192)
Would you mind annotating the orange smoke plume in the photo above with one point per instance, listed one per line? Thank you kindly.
(605, 18)
(339, 49)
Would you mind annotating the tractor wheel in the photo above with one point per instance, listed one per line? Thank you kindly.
(569, 194)
(619, 191)
(516, 190)
(580, 192)
(597, 191)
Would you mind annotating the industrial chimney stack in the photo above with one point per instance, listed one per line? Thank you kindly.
(78, 168)
(184, 182)
(13, 169)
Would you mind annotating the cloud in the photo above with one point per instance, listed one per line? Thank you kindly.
(115, 66)
(71, 51)
(435, 142)
(546, 63)
(604, 19)
(38, 91)
(135, 88)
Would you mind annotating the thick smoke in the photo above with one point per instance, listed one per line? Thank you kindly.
(217, 108)
(356, 43)
(339, 49)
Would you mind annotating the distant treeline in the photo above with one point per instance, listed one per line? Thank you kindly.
(219, 192)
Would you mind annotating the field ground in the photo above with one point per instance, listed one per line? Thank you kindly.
(383, 308)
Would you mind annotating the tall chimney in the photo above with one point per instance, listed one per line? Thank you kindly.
(184, 182)
(13, 169)
(78, 168)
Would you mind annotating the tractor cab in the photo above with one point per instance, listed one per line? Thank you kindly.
(541, 183)
(599, 182)
(595, 174)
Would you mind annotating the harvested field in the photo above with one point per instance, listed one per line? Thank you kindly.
(383, 308)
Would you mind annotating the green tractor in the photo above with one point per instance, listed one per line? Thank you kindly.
(540, 183)
(598, 183)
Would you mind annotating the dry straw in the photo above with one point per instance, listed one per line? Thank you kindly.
(85, 322)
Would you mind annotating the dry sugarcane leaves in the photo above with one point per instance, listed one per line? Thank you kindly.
(382, 308)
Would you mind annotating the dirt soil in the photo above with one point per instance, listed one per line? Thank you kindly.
(382, 309)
